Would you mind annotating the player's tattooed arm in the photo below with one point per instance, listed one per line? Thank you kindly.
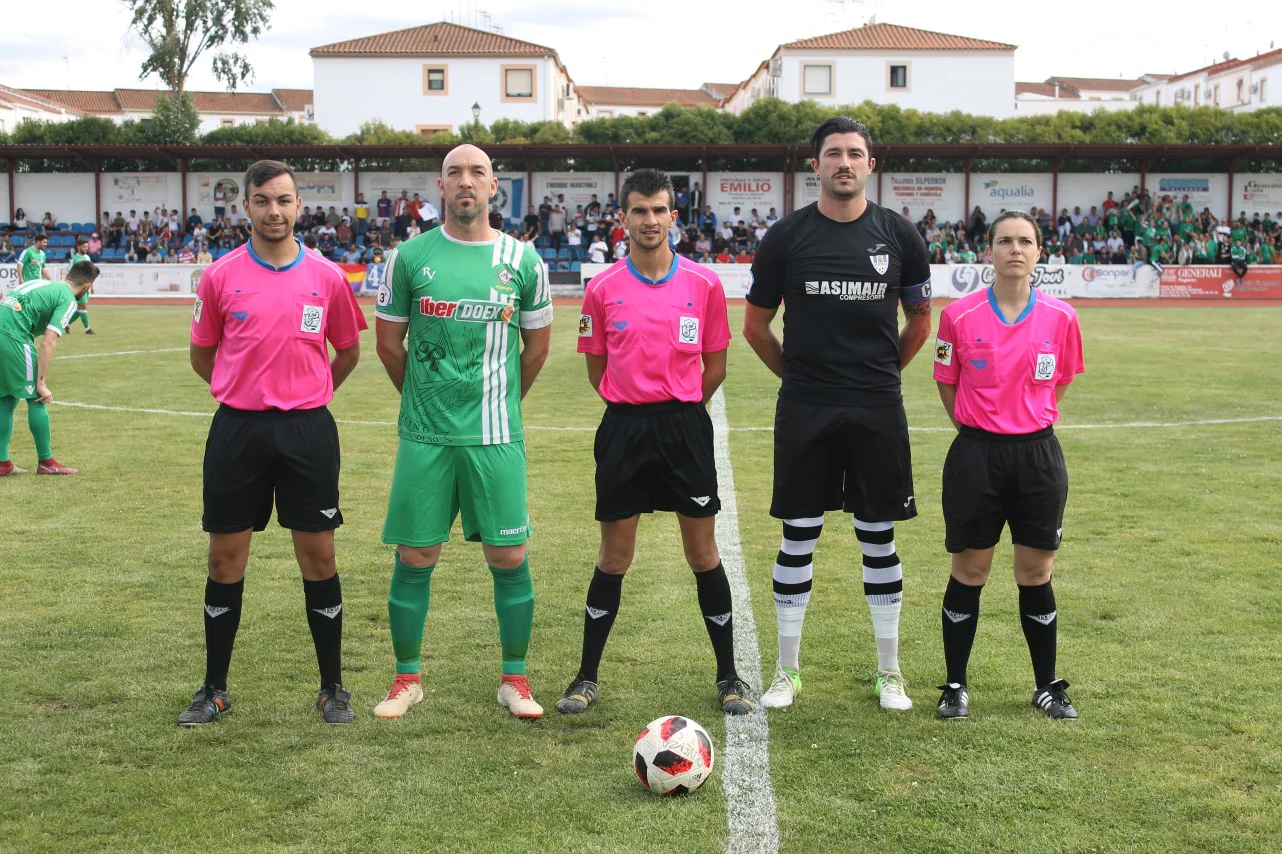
(915, 331)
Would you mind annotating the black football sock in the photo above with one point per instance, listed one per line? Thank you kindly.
(222, 619)
(325, 619)
(1040, 623)
(960, 619)
(718, 617)
(604, 594)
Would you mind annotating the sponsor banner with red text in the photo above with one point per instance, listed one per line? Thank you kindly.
(1214, 282)
(745, 190)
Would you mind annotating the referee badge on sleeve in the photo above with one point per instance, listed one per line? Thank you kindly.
(943, 352)
(585, 326)
(200, 306)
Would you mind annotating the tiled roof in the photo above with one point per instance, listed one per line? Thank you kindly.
(79, 100)
(294, 100)
(144, 100)
(440, 39)
(1046, 89)
(894, 37)
(628, 97)
(27, 98)
(722, 89)
(1109, 84)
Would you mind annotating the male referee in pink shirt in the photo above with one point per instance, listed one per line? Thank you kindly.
(265, 316)
(655, 332)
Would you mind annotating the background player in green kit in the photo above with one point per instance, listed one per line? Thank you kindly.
(81, 253)
(463, 292)
(34, 308)
(31, 263)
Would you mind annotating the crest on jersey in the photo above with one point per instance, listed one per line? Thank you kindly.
(505, 276)
(880, 263)
(312, 315)
(1045, 369)
(943, 351)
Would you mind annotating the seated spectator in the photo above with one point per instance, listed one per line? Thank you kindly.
(951, 255)
(132, 255)
(117, 234)
(318, 220)
(532, 224)
(104, 227)
(158, 254)
(186, 256)
(599, 250)
(19, 221)
(332, 219)
(703, 245)
(49, 223)
(345, 231)
(1056, 257)
(771, 218)
(95, 246)
(204, 256)
(350, 255)
(937, 254)
(621, 248)
(7, 251)
(194, 220)
(412, 230)
(304, 221)
(723, 255)
(744, 257)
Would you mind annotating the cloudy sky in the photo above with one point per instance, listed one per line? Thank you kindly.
(665, 43)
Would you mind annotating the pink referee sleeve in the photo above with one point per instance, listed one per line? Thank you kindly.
(207, 315)
(592, 323)
(947, 366)
(716, 320)
(1073, 363)
(346, 320)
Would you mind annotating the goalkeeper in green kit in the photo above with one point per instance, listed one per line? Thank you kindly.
(34, 308)
(81, 253)
(464, 293)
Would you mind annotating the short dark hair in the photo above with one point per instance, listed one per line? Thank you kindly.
(648, 182)
(39, 237)
(1015, 214)
(265, 170)
(82, 272)
(309, 240)
(840, 124)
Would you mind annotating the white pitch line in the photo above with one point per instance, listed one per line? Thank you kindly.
(1117, 425)
(122, 353)
(750, 798)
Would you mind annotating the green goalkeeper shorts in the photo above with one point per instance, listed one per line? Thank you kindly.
(18, 362)
(432, 484)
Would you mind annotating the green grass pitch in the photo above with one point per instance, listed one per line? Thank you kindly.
(1170, 631)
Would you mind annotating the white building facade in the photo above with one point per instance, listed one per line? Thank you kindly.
(888, 64)
(1239, 85)
(430, 79)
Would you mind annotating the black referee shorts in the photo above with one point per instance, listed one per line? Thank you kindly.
(991, 480)
(251, 457)
(656, 456)
(851, 458)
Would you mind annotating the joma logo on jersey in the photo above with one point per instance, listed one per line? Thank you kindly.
(848, 290)
(468, 310)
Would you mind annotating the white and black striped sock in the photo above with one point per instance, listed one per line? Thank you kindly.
(793, 575)
(883, 587)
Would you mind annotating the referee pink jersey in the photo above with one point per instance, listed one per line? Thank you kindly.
(654, 333)
(271, 325)
(1005, 371)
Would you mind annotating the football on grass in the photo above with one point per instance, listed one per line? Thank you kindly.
(673, 755)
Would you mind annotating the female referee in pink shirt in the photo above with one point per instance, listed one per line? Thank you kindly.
(1003, 361)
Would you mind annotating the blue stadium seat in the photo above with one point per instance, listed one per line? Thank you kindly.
(575, 267)
(360, 240)
(564, 254)
(62, 226)
(56, 255)
(545, 254)
(542, 241)
(563, 266)
(20, 240)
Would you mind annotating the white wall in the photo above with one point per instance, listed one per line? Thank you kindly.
(1011, 191)
(140, 191)
(68, 196)
(978, 82)
(747, 190)
(1256, 194)
(1049, 107)
(349, 92)
(1086, 188)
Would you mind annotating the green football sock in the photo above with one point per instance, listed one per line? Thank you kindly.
(84, 316)
(514, 604)
(7, 405)
(407, 602)
(38, 421)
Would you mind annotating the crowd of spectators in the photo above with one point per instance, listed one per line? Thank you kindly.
(595, 232)
(1137, 229)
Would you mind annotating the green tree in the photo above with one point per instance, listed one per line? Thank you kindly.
(178, 32)
(175, 120)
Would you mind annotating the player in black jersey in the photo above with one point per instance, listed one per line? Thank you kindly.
(842, 266)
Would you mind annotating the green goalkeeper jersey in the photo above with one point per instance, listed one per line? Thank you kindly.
(465, 304)
(31, 308)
